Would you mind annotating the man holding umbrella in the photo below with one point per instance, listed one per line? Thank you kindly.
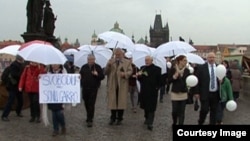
(150, 80)
(118, 70)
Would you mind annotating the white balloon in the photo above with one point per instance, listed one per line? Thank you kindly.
(191, 69)
(169, 65)
(221, 71)
(191, 80)
(231, 105)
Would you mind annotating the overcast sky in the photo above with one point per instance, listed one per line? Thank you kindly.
(204, 21)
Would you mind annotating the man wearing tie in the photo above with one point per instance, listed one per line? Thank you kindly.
(118, 71)
(208, 90)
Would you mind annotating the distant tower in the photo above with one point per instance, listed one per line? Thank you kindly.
(77, 43)
(116, 28)
(133, 38)
(94, 39)
(158, 33)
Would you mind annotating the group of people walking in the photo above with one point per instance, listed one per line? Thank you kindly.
(122, 79)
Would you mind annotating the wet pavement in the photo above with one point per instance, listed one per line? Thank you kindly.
(132, 129)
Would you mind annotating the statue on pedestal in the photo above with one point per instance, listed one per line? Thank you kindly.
(34, 15)
(40, 22)
(48, 20)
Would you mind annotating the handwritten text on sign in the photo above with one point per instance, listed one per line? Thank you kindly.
(59, 88)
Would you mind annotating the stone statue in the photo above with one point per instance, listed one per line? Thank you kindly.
(34, 15)
(48, 20)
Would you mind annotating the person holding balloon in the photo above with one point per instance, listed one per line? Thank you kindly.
(226, 95)
(177, 76)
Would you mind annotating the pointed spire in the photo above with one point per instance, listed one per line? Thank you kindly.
(133, 38)
(166, 26)
(146, 39)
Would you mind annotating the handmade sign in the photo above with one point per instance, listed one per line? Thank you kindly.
(59, 88)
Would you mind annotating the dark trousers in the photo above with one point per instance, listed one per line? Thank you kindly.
(149, 117)
(209, 105)
(58, 119)
(236, 95)
(220, 112)
(13, 94)
(178, 112)
(89, 97)
(34, 105)
(162, 91)
(117, 115)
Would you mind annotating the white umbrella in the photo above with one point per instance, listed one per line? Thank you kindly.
(43, 53)
(173, 48)
(11, 50)
(82, 47)
(101, 53)
(141, 51)
(139, 54)
(115, 39)
(192, 58)
(34, 42)
(70, 51)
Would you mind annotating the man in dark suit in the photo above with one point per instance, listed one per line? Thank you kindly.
(150, 80)
(208, 89)
(91, 77)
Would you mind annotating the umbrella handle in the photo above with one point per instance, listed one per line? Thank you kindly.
(114, 49)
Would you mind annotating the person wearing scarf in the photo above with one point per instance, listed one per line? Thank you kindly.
(179, 92)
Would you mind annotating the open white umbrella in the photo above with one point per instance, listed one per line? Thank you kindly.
(192, 58)
(115, 40)
(70, 51)
(11, 50)
(24, 45)
(42, 53)
(82, 47)
(141, 51)
(139, 54)
(173, 48)
(101, 53)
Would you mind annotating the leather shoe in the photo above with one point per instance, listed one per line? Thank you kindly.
(150, 127)
(111, 122)
(19, 115)
(89, 124)
(119, 122)
(32, 120)
(5, 119)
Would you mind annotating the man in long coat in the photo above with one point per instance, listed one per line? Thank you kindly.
(118, 71)
(150, 80)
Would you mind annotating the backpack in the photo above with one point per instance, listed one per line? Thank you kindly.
(5, 75)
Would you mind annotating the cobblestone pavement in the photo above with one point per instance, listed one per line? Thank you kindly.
(132, 129)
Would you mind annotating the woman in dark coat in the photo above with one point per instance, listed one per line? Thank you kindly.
(179, 93)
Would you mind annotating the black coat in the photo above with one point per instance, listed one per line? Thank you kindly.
(16, 70)
(150, 85)
(202, 87)
(88, 80)
(178, 85)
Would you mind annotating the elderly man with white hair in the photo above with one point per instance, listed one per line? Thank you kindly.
(150, 80)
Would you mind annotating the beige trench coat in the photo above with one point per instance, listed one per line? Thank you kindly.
(114, 79)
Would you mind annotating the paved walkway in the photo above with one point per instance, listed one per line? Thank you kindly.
(132, 129)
